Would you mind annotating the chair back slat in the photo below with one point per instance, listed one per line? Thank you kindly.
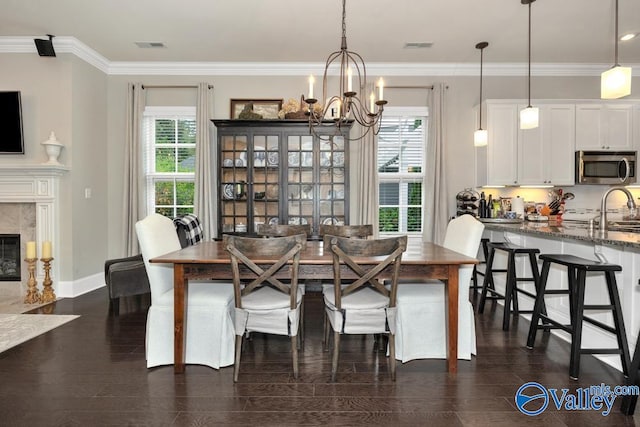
(354, 231)
(245, 250)
(282, 230)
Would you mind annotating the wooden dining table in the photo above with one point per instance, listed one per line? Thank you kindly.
(209, 260)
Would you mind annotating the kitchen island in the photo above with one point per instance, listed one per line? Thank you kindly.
(617, 247)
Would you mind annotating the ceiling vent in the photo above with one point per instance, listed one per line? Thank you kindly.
(418, 45)
(150, 45)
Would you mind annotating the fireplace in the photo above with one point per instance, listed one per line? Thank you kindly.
(10, 258)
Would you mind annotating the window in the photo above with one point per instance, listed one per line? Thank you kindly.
(401, 152)
(169, 135)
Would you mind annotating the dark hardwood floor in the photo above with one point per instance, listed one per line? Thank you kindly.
(92, 372)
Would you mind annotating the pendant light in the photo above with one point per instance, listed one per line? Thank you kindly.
(529, 115)
(616, 81)
(480, 137)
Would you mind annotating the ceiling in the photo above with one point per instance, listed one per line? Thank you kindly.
(563, 31)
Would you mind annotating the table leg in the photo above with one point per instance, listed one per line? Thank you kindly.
(179, 310)
(452, 317)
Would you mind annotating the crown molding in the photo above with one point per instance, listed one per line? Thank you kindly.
(82, 51)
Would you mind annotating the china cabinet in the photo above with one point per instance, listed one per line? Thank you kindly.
(275, 171)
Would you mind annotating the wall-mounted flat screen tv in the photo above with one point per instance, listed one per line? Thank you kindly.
(11, 136)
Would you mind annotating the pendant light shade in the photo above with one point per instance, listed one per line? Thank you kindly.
(615, 82)
(480, 137)
(529, 115)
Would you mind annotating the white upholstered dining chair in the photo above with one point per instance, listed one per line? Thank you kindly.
(421, 330)
(209, 319)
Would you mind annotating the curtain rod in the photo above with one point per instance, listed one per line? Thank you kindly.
(409, 87)
(172, 86)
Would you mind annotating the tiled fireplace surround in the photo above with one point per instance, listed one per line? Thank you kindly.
(29, 206)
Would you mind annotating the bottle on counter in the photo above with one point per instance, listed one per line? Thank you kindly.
(489, 207)
(482, 206)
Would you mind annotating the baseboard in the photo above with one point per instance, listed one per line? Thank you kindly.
(72, 289)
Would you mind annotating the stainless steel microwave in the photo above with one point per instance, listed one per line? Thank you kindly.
(606, 167)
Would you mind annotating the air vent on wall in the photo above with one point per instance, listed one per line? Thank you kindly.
(150, 45)
(418, 45)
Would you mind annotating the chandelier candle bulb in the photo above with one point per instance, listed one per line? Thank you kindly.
(46, 249)
(381, 89)
(349, 80)
(31, 250)
(372, 102)
(311, 82)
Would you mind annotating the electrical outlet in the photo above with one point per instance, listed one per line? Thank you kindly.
(87, 193)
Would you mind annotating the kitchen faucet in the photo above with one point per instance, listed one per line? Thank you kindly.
(603, 206)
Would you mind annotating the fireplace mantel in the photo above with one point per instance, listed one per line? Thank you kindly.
(43, 169)
(39, 184)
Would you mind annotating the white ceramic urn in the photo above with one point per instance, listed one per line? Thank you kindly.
(52, 147)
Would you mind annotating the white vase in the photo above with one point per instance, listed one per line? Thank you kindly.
(53, 148)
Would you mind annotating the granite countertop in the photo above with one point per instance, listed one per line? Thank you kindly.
(569, 230)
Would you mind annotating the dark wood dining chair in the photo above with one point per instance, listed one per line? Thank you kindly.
(364, 306)
(263, 302)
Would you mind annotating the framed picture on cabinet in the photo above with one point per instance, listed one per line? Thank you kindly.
(267, 108)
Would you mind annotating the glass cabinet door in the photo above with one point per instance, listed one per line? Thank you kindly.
(332, 191)
(233, 183)
(265, 180)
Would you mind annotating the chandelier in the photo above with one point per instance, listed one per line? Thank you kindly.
(346, 106)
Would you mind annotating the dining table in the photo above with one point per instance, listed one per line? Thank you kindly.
(210, 260)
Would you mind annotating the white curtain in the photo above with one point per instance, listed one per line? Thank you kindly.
(204, 206)
(134, 207)
(435, 210)
(365, 190)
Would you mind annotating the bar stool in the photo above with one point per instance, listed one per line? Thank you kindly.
(577, 269)
(511, 284)
(483, 261)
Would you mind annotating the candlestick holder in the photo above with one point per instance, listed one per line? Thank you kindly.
(47, 291)
(33, 295)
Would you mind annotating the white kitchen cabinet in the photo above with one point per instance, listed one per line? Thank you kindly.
(540, 156)
(546, 153)
(497, 163)
(604, 126)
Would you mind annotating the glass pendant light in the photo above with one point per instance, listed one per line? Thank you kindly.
(480, 137)
(529, 115)
(616, 81)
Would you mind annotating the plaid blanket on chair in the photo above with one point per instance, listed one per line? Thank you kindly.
(192, 226)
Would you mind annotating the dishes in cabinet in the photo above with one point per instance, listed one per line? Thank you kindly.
(297, 220)
(330, 221)
(325, 159)
(294, 159)
(273, 221)
(272, 158)
(227, 163)
(272, 191)
(228, 191)
(338, 158)
(307, 159)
